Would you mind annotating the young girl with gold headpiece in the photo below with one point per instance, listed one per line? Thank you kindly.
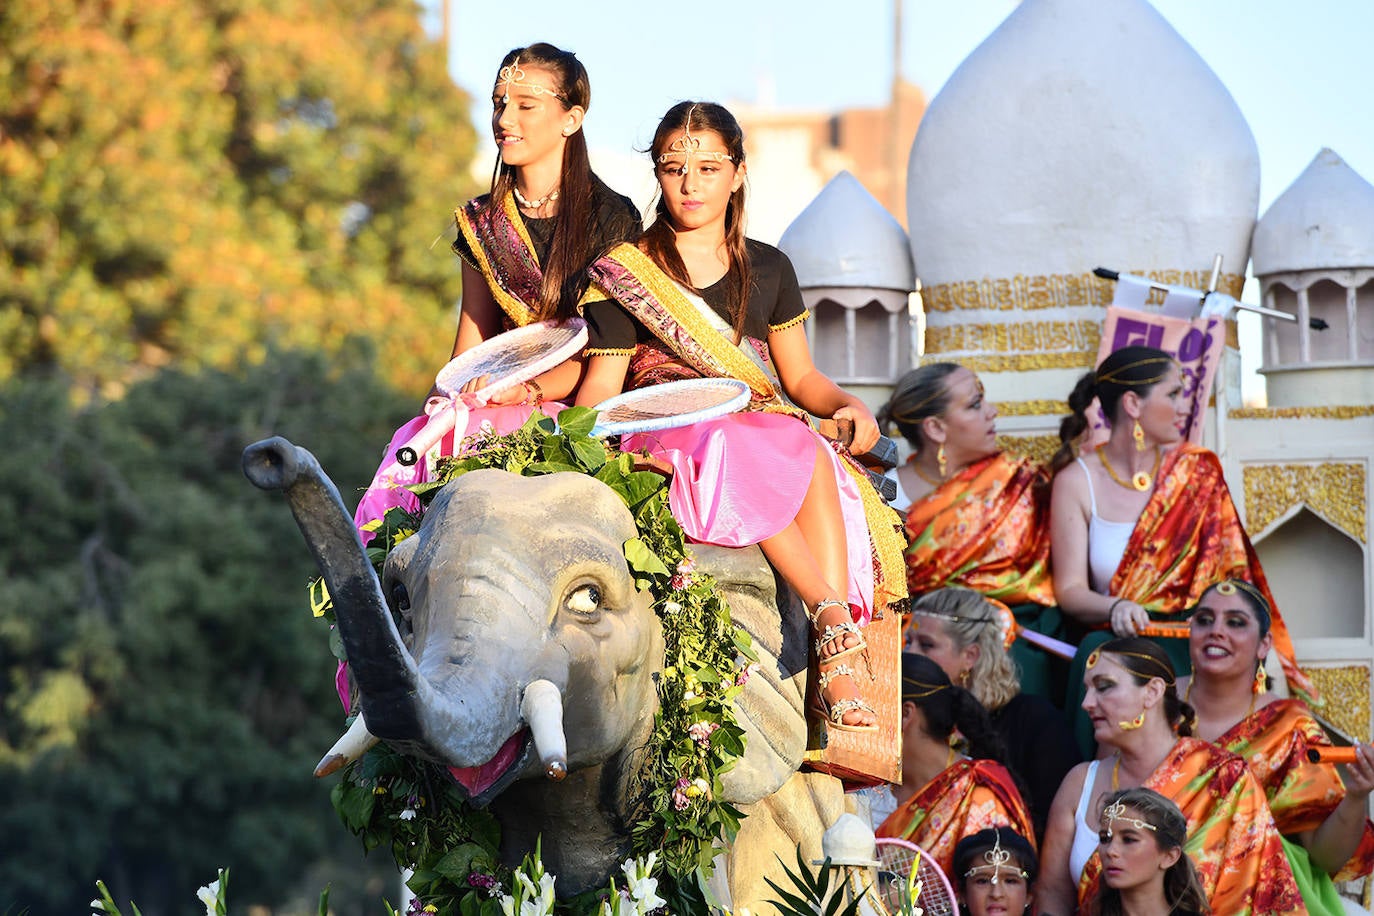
(994, 873)
(525, 245)
(696, 298)
(1145, 871)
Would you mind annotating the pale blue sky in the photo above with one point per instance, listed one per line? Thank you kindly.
(1302, 73)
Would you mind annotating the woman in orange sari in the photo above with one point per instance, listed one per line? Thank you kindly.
(1327, 832)
(1143, 523)
(1133, 704)
(945, 795)
(976, 517)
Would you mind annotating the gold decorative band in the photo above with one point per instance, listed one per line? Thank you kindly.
(1020, 362)
(1044, 407)
(1346, 690)
(1057, 290)
(1318, 412)
(1333, 490)
(1018, 337)
(1038, 448)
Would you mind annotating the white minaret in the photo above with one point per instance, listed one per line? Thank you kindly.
(1314, 257)
(854, 267)
(1080, 133)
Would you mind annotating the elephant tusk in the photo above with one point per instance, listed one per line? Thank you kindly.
(542, 707)
(347, 749)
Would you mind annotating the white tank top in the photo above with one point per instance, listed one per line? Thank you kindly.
(1106, 543)
(901, 502)
(1084, 837)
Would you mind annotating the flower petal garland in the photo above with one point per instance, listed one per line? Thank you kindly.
(412, 806)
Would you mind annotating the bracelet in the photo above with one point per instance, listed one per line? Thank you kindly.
(1113, 608)
(533, 386)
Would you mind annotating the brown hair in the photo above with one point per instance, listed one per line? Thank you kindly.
(1135, 369)
(659, 241)
(920, 393)
(1182, 889)
(1143, 659)
(574, 229)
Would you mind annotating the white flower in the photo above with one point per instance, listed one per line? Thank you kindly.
(507, 905)
(407, 815)
(209, 895)
(98, 906)
(641, 886)
(671, 607)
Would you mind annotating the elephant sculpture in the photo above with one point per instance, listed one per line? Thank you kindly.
(519, 581)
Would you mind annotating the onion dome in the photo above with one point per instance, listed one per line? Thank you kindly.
(1324, 220)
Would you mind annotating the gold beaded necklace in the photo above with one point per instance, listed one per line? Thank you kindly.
(1140, 480)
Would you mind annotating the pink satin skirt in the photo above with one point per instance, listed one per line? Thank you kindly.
(741, 478)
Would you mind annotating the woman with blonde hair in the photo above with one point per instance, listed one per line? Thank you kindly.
(966, 635)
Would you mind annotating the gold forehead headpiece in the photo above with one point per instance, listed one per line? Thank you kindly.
(995, 859)
(1231, 586)
(1116, 811)
(514, 75)
(925, 690)
(1165, 674)
(1115, 374)
(689, 146)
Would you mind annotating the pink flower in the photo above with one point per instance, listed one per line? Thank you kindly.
(700, 732)
(744, 674)
(680, 799)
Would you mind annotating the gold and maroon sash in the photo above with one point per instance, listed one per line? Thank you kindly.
(986, 528)
(497, 245)
(640, 286)
(1190, 537)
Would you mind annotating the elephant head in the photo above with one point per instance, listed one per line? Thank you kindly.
(512, 582)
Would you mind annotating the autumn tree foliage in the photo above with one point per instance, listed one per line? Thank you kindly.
(187, 182)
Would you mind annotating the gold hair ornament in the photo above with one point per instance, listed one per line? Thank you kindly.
(514, 75)
(1113, 375)
(1003, 619)
(689, 146)
(996, 859)
(1229, 587)
(929, 689)
(1116, 811)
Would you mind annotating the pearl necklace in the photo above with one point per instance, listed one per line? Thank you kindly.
(537, 202)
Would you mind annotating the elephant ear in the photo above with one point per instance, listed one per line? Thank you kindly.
(772, 706)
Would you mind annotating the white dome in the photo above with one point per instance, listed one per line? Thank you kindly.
(844, 238)
(1081, 133)
(1324, 220)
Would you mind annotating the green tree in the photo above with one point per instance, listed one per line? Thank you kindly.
(165, 690)
(187, 182)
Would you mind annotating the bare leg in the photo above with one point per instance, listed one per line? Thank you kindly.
(811, 554)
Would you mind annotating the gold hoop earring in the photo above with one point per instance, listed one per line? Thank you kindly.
(1132, 725)
(1138, 435)
(940, 461)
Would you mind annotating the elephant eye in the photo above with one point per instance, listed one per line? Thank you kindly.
(585, 600)
(400, 598)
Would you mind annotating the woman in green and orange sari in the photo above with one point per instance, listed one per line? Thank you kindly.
(976, 517)
(1141, 525)
(1327, 832)
(945, 795)
(1131, 698)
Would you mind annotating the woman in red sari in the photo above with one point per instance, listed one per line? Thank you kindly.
(1143, 523)
(1327, 831)
(976, 517)
(1132, 701)
(946, 795)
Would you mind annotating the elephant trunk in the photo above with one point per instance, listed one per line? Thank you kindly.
(386, 675)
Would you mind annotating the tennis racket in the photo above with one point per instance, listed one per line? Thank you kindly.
(902, 857)
(669, 405)
(507, 360)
